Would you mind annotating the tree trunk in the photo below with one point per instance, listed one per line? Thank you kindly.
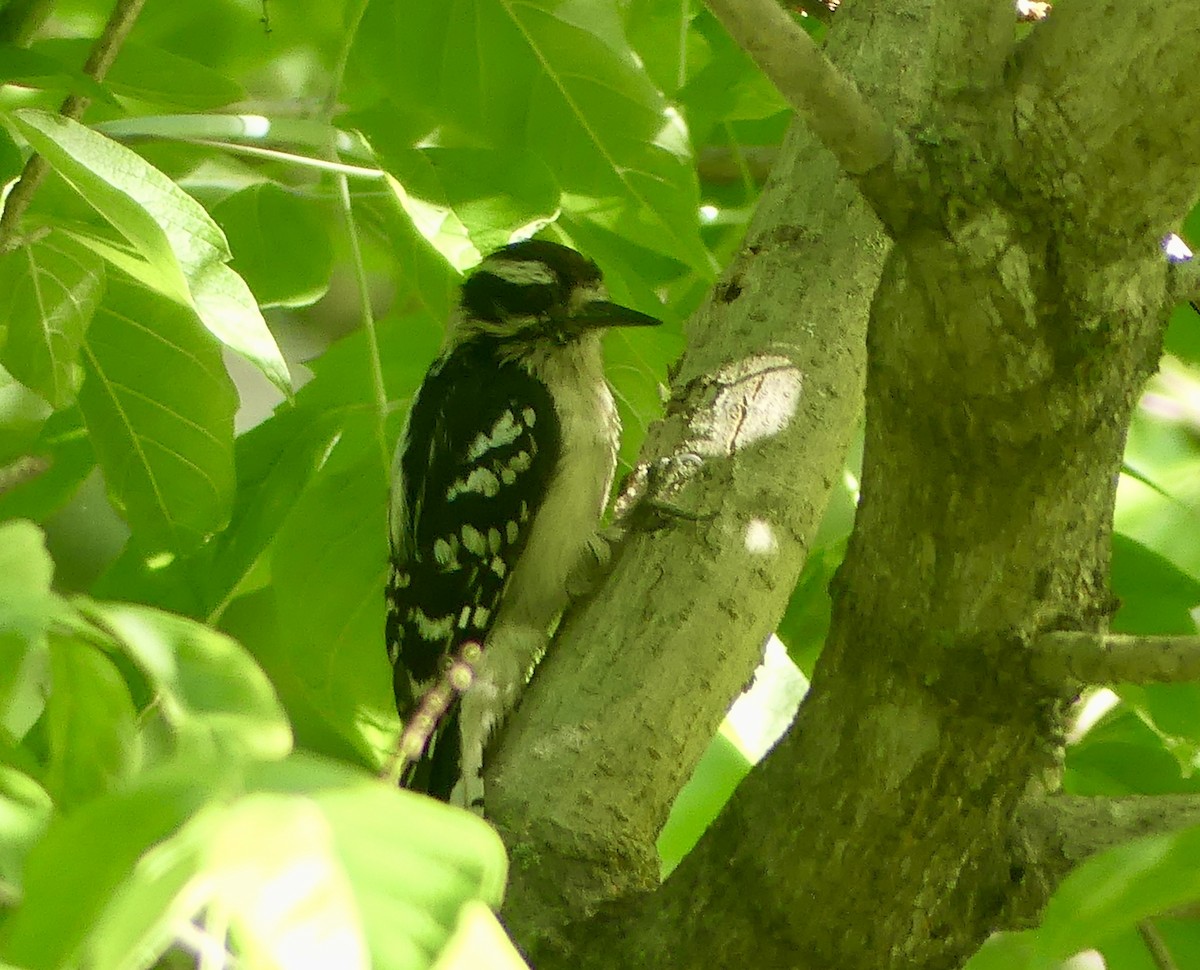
(1013, 323)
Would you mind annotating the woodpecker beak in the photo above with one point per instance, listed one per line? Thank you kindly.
(602, 314)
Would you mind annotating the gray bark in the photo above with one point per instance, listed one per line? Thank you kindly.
(1013, 320)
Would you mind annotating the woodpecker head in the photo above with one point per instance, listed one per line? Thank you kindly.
(537, 292)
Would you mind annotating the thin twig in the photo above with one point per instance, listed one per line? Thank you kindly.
(1156, 945)
(433, 706)
(101, 58)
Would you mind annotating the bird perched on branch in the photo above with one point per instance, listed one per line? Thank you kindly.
(500, 481)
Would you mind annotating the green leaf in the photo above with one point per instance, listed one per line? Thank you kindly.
(263, 869)
(159, 407)
(557, 80)
(336, 726)
(718, 773)
(413, 863)
(210, 693)
(805, 622)
(1123, 755)
(1116, 889)
(91, 724)
(479, 941)
(73, 873)
(25, 574)
(26, 607)
(11, 161)
(728, 86)
(152, 74)
(658, 31)
(33, 69)
(280, 244)
(477, 197)
(22, 416)
(328, 567)
(49, 290)
(1010, 951)
(301, 862)
(25, 811)
(185, 251)
(636, 365)
(1156, 596)
(63, 443)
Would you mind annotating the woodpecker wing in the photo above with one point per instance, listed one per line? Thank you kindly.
(480, 445)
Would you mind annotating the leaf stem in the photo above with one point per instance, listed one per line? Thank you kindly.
(367, 316)
(360, 272)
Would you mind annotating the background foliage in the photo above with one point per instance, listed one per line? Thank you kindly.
(211, 323)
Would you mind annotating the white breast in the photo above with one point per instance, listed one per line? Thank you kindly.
(566, 523)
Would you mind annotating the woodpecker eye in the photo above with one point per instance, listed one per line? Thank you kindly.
(528, 279)
(489, 295)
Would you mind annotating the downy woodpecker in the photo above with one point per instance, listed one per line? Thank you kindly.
(500, 480)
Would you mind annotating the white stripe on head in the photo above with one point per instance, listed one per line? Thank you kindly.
(521, 272)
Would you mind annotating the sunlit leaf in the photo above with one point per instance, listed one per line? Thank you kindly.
(34, 69)
(152, 74)
(479, 941)
(305, 862)
(49, 289)
(210, 693)
(170, 231)
(469, 201)
(280, 244)
(25, 574)
(26, 607)
(159, 407)
(25, 811)
(262, 868)
(719, 772)
(91, 724)
(414, 863)
(1110, 892)
(72, 874)
(559, 81)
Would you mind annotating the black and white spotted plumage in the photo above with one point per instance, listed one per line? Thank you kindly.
(499, 485)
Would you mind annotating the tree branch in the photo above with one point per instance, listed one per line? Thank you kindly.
(1072, 828)
(1095, 658)
(641, 674)
(838, 115)
(625, 702)
(103, 53)
(1184, 282)
(1104, 96)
